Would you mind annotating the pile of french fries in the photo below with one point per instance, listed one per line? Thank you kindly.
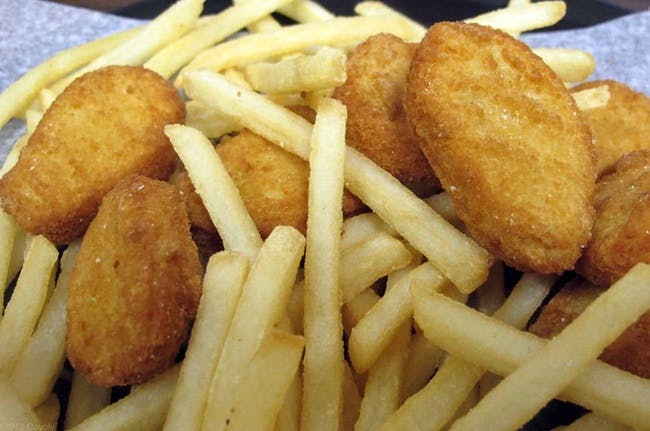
(278, 345)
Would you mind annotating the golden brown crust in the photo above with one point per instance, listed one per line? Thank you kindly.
(507, 142)
(377, 125)
(621, 126)
(621, 233)
(106, 125)
(135, 285)
(630, 351)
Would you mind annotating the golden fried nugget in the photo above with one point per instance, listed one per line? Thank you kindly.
(374, 96)
(621, 233)
(273, 184)
(621, 126)
(630, 351)
(135, 285)
(506, 140)
(106, 125)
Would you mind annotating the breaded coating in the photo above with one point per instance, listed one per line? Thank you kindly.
(630, 351)
(621, 233)
(106, 125)
(377, 126)
(135, 285)
(273, 184)
(508, 143)
(620, 127)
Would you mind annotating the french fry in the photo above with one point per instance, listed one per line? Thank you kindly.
(255, 409)
(8, 229)
(222, 285)
(354, 310)
(374, 332)
(565, 356)
(571, 65)
(423, 360)
(304, 11)
(592, 422)
(377, 8)
(85, 400)
(26, 303)
(457, 256)
(144, 409)
(289, 415)
(217, 190)
(362, 227)
(442, 204)
(520, 18)
(592, 98)
(323, 362)
(40, 362)
(469, 334)
(32, 117)
(262, 304)
(48, 411)
(211, 123)
(14, 412)
(369, 261)
(324, 69)
(216, 28)
(351, 400)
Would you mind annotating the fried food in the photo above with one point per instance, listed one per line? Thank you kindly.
(377, 125)
(272, 182)
(106, 125)
(621, 233)
(507, 142)
(621, 126)
(630, 351)
(135, 285)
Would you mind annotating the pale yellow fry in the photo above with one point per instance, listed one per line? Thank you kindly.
(289, 415)
(337, 32)
(304, 11)
(14, 412)
(564, 357)
(592, 422)
(351, 400)
(210, 122)
(32, 117)
(269, 374)
(354, 310)
(379, 325)
(20, 244)
(442, 204)
(295, 306)
(512, 3)
(437, 403)
(424, 357)
(469, 334)
(222, 284)
(571, 65)
(362, 227)
(324, 69)
(369, 261)
(323, 328)
(213, 30)
(592, 98)
(40, 363)
(48, 411)
(167, 27)
(456, 255)
(14, 153)
(17, 97)
(8, 229)
(491, 295)
(524, 17)
(377, 8)
(144, 409)
(217, 190)
(263, 302)
(85, 400)
(26, 303)
(46, 97)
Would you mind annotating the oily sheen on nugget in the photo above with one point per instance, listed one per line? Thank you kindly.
(105, 125)
(507, 142)
(135, 285)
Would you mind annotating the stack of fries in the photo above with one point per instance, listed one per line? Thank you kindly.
(274, 347)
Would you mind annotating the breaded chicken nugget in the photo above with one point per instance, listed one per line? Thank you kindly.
(507, 142)
(106, 125)
(374, 96)
(273, 184)
(135, 285)
(621, 233)
(630, 351)
(621, 126)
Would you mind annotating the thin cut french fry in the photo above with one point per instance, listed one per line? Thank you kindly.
(13, 410)
(48, 411)
(351, 400)
(85, 400)
(424, 357)
(323, 362)
(217, 190)
(222, 284)
(457, 256)
(361, 227)
(592, 422)
(354, 310)
(564, 357)
(524, 17)
(210, 122)
(571, 65)
(592, 98)
(304, 11)
(377, 8)
(289, 415)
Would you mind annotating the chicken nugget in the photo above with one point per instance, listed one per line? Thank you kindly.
(621, 126)
(135, 285)
(630, 351)
(621, 233)
(377, 126)
(104, 126)
(508, 143)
